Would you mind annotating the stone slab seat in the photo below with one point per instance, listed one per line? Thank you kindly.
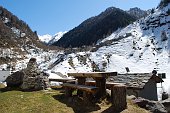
(89, 89)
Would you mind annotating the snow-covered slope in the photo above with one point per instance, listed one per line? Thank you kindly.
(142, 46)
(49, 39)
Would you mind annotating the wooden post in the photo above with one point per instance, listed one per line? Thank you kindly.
(118, 94)
(81, 81)
(101, 84)
(68, 92)
(88, 97)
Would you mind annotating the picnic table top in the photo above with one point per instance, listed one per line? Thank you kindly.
(93, 74)
(61, 79)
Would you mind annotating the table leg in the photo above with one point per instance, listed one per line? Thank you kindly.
(68, 92)
(81, 81)
(101, 84)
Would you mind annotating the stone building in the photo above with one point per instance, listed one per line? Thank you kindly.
(140, 84)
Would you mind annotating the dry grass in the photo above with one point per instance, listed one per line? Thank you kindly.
(53, 101)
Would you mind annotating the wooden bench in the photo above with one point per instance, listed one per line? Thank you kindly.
(63, 80)
(88, 91)
(109, 85)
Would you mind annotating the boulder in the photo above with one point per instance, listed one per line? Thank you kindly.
(165, 96)
(15, 80)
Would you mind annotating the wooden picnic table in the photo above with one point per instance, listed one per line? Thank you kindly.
(99, 77)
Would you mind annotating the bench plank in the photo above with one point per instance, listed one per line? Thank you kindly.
(60, 79)
(91, 89)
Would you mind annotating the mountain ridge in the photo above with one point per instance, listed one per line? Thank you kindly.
(95, 28)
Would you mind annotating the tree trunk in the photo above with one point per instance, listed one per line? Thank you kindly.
(118, 95)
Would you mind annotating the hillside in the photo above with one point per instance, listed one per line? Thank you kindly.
(16, 37)
(95, 28)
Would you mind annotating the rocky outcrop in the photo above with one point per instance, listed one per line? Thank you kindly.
(30, 78)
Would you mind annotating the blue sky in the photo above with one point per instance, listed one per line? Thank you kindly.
(52, 16)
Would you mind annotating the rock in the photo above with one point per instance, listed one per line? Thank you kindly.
(166, 103)
(108, 92)
(153, 106)
(165, 96)
(15, 80)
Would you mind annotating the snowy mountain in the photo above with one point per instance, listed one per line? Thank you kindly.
(56, 37)
(95, 28)
(45, 38)
(48, 39)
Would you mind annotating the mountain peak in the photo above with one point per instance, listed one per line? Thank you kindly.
(49, 39)
(95, 28)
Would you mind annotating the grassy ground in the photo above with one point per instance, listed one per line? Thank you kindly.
(52, 101)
